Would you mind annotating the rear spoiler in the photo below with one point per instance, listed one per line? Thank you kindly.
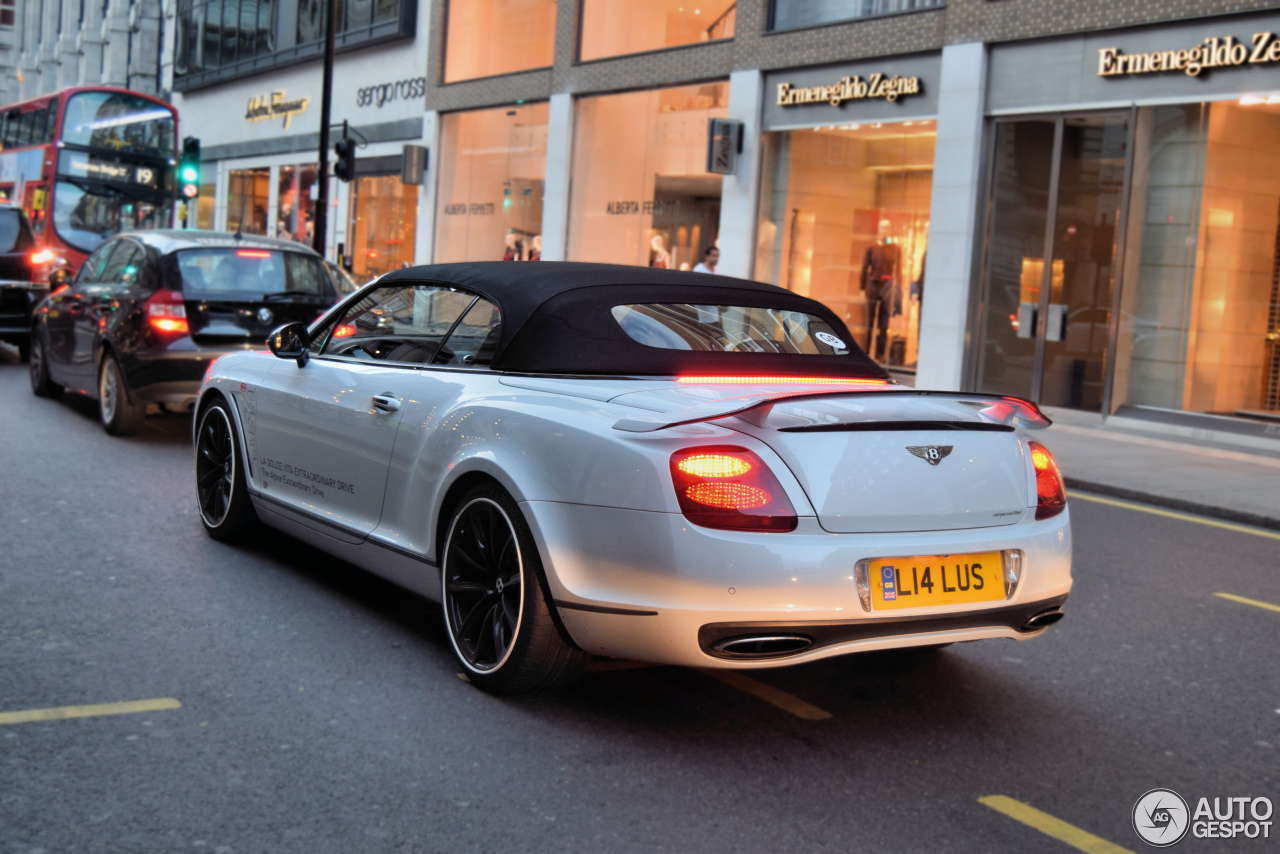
(754, 408)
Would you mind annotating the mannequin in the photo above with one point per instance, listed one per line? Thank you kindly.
(658, 255)
(880, 271)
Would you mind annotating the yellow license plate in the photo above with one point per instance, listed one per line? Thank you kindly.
(928, 580)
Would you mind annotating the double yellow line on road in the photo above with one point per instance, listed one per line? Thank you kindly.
(1173, 514)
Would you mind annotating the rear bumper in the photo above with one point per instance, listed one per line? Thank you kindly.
(651, 586)
(170, 376)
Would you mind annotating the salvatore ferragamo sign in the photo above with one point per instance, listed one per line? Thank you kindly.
(1217, 52)
(875, 86)
(275, 106)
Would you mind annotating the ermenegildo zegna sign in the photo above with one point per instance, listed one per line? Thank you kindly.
(849, 89)
(883, 89)
(1174, 62)
(1215, 52)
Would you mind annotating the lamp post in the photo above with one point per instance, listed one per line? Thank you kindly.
(321, 220)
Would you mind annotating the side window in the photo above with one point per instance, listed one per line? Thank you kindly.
(474, 339)
(91, 270)
(124, 264)
(403, 324)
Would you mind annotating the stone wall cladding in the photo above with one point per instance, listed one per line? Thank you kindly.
(960, 21)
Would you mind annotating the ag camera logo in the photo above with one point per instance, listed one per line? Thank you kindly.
(1160, 818)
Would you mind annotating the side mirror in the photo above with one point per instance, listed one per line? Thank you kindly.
(291, 342)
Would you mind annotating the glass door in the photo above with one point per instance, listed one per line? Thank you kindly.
(1057, 193)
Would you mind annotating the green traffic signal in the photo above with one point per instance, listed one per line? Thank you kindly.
(189, 174)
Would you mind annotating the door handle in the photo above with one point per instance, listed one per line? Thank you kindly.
(385, 404)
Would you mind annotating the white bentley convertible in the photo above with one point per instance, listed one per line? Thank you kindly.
(581, 459)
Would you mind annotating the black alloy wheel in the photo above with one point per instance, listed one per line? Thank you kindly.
(484, 588)
(220, 489)
(41, 385)
(495, 611)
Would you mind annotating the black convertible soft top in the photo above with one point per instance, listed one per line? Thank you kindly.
(556, 319)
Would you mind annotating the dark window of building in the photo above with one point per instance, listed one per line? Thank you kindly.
(223, 39)
(8, 12)
(792, 14)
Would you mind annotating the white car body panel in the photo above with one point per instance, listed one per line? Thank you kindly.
(629, 574)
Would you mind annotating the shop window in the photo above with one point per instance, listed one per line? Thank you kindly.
(844, 219)
(1199, 320)
(791, 14)
(618, 27)
(295, 204)
(383, 227)
(488, 37)
(493, 167)
(641, 194)
(206, 205)
(247, 194)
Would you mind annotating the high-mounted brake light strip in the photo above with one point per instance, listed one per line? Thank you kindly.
(787, 380)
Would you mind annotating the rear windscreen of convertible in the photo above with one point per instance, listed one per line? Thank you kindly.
(729, 329)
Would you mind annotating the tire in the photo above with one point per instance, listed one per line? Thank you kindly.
(496, 611)
(38, 368)
(222, 496)
(120, 415)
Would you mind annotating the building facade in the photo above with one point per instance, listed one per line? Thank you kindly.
(247, 79)
(46, 45)
(1074, 201)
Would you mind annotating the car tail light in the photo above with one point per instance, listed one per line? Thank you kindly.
(1051, 494)
(42, 256)
(167, 313)
(346, 330)
(730, 487)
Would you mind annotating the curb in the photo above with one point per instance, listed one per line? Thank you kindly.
(1241, 517)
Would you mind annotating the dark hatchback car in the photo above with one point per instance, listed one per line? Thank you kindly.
(18, 293)
(149, 311)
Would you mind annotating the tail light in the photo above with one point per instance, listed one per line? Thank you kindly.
(1051, 494)
(167, 313)
(42, 256)
(730, 487)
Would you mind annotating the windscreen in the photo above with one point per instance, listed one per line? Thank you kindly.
(123, 123)
(729, 329)
(251, 274)
(85, 217)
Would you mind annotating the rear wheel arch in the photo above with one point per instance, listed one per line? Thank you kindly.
(448, 509)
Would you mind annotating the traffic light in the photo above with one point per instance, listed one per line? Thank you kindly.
(345, 168)
(189, 168)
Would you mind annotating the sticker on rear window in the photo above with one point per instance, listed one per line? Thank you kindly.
(829, 339)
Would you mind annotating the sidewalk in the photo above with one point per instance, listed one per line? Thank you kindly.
(1207, 474)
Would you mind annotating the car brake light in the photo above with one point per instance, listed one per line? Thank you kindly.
(732, 488)
(787, 380)
(42, 256)
(252, 253)
(166, 313)
(346, 330)
(1051, 494)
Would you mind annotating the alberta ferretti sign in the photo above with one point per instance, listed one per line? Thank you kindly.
(1216, 52)
(849, 89)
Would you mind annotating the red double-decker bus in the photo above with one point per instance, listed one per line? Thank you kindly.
(87, 163)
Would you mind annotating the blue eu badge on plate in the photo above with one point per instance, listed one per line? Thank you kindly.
(888, 583)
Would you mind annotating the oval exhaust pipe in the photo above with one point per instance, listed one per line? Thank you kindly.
(1043, 619)
(761, 646)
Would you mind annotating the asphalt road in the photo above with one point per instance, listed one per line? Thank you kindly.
(321, 709)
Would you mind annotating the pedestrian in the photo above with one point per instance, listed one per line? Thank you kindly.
(710, 258)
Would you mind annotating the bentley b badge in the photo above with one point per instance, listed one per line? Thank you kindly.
(931, 454)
